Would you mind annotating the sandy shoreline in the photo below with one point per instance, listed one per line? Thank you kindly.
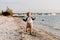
(13, 28)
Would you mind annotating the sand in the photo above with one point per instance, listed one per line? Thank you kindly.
(13, 28)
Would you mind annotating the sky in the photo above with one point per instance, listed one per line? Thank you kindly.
(34, 6)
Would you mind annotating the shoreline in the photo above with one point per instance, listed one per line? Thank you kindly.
(38, 30)
(13, 28)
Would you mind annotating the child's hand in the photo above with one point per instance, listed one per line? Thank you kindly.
(33, 18)
(25, 19)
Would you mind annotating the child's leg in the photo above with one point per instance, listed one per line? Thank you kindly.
(30, 29)
(26, 29)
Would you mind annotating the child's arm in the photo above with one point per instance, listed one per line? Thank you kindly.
(33, 18)
(25, 19)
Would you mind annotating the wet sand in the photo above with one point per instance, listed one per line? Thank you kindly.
(13, 28)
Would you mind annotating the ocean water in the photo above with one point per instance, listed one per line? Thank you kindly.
(50, 23)
(46, 20)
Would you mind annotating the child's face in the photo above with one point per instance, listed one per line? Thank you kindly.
(29, 14)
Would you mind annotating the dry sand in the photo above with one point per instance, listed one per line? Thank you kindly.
(13, 28)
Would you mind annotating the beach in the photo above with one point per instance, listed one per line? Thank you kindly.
(13, 28)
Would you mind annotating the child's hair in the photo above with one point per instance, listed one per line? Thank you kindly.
(28, 13)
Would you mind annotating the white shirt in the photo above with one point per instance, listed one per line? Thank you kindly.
(29, 20)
